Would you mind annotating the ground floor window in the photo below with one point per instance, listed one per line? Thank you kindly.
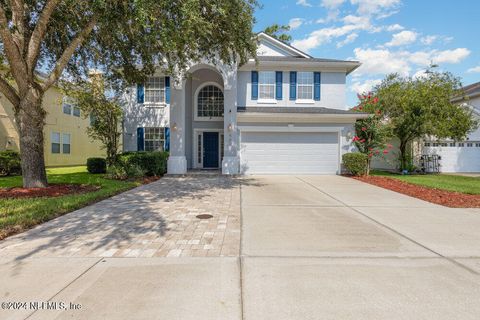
(66, 143)
(154, 139)
(55, 140)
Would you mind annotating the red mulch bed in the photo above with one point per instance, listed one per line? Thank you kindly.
(53, 190)
(442, 197)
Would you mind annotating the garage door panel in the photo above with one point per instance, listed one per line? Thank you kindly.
(286, 152)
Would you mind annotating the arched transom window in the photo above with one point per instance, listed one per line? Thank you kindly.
(210, 102)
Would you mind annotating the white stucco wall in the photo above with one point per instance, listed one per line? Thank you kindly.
(139, 115)
(332, 90)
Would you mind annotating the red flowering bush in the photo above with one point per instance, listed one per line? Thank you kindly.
(372, 133)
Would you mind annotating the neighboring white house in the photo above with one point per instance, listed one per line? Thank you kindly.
(284, 113)
(460, 156)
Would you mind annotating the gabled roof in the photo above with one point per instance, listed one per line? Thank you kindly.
(282, 53)
(283, 45)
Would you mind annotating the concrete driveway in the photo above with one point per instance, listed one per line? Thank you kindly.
(305, 247)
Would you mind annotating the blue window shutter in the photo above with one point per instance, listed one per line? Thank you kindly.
(167, 139)
(140, 93)
(316, 86)
(254, 85)
(293, 85)
(278, 84)
(140, 139)
(167, 89)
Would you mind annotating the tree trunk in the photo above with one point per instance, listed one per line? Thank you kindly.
(30, 118)
(369, 161)
(403, 154)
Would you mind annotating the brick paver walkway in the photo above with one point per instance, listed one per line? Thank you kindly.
(154, 220)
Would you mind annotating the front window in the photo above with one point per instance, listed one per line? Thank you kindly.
(210, 102)
(76, 111)
(155, 90)
(55, 140)
(266, 85)
(305, 85)
(67, 107)
(66, 143)
(154, 139)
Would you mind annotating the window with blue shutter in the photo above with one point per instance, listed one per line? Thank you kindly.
(293, 85)
(316, 86)
(140, 139)
(254, 85)
(278, 84)
(167, 89)
(140, 93)
(167, 140)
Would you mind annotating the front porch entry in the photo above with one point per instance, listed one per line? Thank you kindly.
(209, 148)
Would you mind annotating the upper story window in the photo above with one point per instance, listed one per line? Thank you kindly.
(155, 90)
(69, 107)
(266, 85)
(210, 102)
(154, 139)
(305, 85)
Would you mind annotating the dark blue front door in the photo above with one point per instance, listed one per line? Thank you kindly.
(210, 149)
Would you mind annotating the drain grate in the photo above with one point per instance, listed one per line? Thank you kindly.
(204, 216)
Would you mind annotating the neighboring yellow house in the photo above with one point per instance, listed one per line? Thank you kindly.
(66, 139)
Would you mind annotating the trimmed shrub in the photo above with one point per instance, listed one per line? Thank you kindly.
(151, 163)
(355, 163)
(96, 165)
(10, 163)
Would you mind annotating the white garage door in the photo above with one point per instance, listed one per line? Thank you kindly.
(461, 157)
(289, 153)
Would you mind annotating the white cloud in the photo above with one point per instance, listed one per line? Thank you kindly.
(428, 40)
(364, 86)
(384, 61)
(394, 27)
(349, 39)
(295, 23)
(332, 4)
(402, 38)
(372, 7)
(380, 61)
(474, 70)
(325, 35)
(304, 3)
(450, 56)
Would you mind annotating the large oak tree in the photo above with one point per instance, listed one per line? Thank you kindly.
(127, 39)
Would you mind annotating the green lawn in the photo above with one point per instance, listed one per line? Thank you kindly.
(20, 214)
(461, 184)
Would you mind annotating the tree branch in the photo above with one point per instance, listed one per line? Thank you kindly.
(38, 34)
(67, 54)
(9, 92)
(18, 19)
(11, 50)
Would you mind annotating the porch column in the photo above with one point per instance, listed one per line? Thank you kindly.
(177, 162)
(231, 160)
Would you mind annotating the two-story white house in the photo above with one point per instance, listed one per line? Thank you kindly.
(284, 113)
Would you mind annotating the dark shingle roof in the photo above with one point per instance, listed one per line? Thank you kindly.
(315, 110)
(472, 89)
(300, 59)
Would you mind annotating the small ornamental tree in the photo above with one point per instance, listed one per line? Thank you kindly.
(420, 107)
(371, 133)
(105, 113)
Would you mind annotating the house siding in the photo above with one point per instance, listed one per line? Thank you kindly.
(332, 91)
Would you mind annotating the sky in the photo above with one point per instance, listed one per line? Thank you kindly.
(402, 36)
